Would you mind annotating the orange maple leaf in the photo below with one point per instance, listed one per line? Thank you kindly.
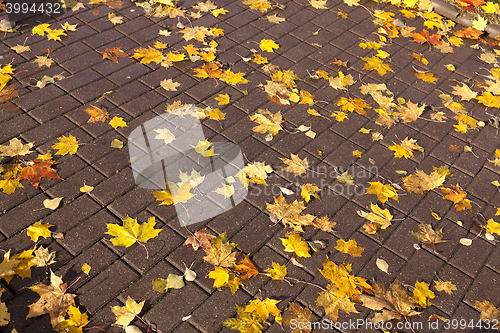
(246, 266)
(38, 170)
(96, 114)
(469, 32)
(114, 53)
(423, 37)
(456, 195)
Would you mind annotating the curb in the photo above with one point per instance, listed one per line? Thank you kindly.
(451, 12)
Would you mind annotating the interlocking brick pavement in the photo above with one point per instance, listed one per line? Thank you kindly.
(42, 115)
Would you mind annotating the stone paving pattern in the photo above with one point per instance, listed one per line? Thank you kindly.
(57, 109)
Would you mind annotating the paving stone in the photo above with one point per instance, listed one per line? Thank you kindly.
(176, 304)
(144, 103)
(27, 213)
(79, 79)
(99, 291)
(87, 233)
(82, 61)
(13, 127)
(128, 74)
(70, 188)
(484, 287)
(72, 213)
(420, 267)
(94, 90)
(449, 302)
(132, 202)
(470, 259)
(113, 162)
(218, 307)
(53, 109)
(246, 237)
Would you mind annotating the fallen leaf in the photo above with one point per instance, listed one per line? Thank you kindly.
(117, 122)
(447, 286)
(132, 232)
(382, 265)
(86, 268)
(125, 314)
(43, 61)
(294, 243)
(96, 114)
(113, 18)
(169, 85)
(52, 203)
(66, 145)
(39, 230)
(117, 144)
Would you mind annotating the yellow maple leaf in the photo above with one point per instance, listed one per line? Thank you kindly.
(219, 11)
(269, 123)
(169, 85)
(204, 148)
(264, 308)
(309, 190)
(215, 114)
(148, 55)
(294, 243)
(125, 314)
(39, 230)
(493, 227)
(383, 192)
(405, 148)
(426, 77)
(268, 45)
(132, 232)
(318, 4)
(222, 99)
(41, 29)
(350, 247)
(295, 165)
(381, 217)
(220, 276)
(261, 5)
(447, 286)
(66, 145)
(422, 295)
(258, 59)
(191, 50)
(233, 78)
(174, 194)
(75, 322)
(489, 100)
(420, 181)
(117, 122)
(480, 23)
(375, 63)
(278, 272)
(357, 153)
(55, 34)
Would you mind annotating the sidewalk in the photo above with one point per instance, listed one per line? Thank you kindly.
(309, 40)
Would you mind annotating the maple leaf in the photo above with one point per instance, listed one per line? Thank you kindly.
(204, 148)
(196, 33)
(245, 321)
(132, 232)
(125, 314)
(117, 122)
(300, 317)
(488, 311)
(394, 303)
(318, 4)
(457, 196)
(278, 272)
(165, 135)
(169, 85)
(480, 23)
(464, 91)
(55, 34)
(375, 63)
(255, 172)
(295, 165)
(420, 181)
(113, 18)
(427, 235)
(353, 104)
(323, 223)
(75, 323)
(247, 267)
(233, 78)
(350, 247)
(43, 257)
(426, 77)
(275, 19)
(4, 314)
(205, 6)
(223, 99)
(38, 170)
(341, 81)
(269, 123)
(16, 148)
(10, 181)
(261, 5)
(8, 265)
(383, 192)
(468, 32)
(215, 114)
(380, 217)
(148, 55)
(174, 194)
(470, 4)
(21, 48)
(40, 29)
(447, 286)
(53, 300)
(294, 243)
(221, 253)
(405, 149)
(489, 100)
(114, 53)
(199, 238)
(220, 276)
(96, 114)
(422, 295)
(424, 37)
(309, 190)
(66, 145)
(493, 227)
(346, 178)
(268, 45)
(225, 190)
(23, 269)
(39, 230)
(264, 308)
(410, 112)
